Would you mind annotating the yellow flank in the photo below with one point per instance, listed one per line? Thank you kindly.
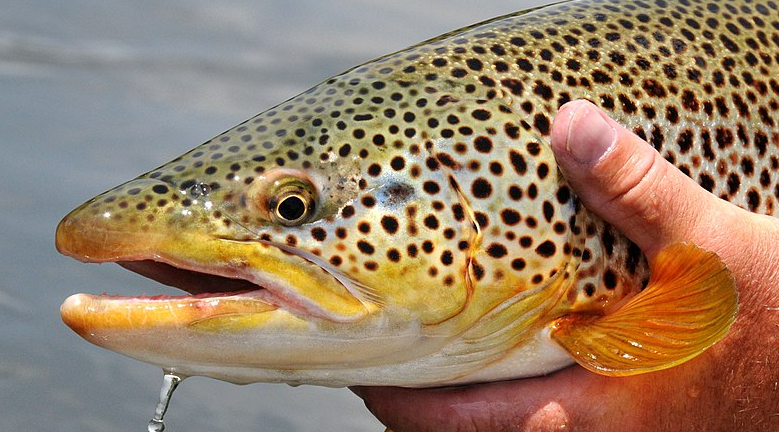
(689, 305)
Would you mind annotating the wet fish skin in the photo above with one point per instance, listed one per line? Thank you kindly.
(437, 242)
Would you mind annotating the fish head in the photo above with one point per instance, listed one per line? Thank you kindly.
(325, 224)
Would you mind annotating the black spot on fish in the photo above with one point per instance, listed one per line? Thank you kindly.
(365, 247)
(497, 250)
(546, 249)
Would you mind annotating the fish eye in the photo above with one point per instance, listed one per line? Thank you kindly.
(291, 209)
(292, 204)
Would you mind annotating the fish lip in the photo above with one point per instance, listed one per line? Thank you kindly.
(243, 280)
(181, 276)
(245, 287)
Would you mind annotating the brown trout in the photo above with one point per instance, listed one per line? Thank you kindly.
(405, 223)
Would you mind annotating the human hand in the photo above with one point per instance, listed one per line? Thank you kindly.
(733, 386)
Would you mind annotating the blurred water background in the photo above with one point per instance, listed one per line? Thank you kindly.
(95, 92)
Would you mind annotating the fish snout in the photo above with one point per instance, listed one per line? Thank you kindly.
(122, 224)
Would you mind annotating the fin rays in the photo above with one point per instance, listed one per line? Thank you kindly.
(688, 306)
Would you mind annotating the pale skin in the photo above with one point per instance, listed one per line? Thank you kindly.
(734, 386)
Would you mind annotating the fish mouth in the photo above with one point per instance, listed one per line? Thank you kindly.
(245, 305)
(212, 291)
(196, 283)
(224, 281)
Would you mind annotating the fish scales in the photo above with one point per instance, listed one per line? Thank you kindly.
(427, 178)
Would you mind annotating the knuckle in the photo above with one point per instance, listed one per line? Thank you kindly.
(639, 190)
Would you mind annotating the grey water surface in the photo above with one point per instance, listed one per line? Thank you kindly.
(95, 92)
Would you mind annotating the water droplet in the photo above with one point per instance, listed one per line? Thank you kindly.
(169, 383)
(198, 190)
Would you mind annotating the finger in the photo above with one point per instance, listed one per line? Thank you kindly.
(620, 177)
(550, 403)
(528, 404)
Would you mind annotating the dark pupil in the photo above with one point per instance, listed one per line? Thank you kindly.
(291, 208)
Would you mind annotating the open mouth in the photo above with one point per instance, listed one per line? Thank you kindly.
(301, 287)
(197, 284)
(241, 276)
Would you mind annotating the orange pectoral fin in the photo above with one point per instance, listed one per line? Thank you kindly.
(689, 304)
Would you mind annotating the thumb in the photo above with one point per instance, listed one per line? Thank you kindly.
(622, 179)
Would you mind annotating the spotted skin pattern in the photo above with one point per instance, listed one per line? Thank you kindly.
(432, 175)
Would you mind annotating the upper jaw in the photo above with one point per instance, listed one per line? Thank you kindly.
(202, 264)
(277, 278)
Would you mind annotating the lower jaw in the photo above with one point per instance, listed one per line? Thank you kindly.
(89, 314)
